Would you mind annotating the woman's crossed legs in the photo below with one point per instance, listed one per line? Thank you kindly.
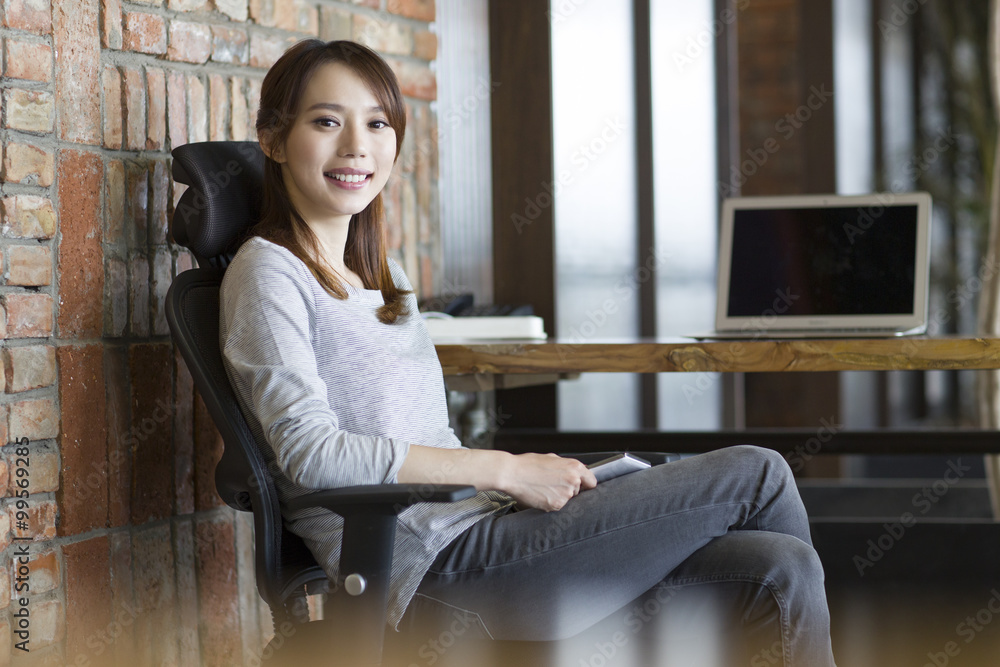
(679, 559)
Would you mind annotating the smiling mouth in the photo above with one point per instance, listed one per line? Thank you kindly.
(348, 178)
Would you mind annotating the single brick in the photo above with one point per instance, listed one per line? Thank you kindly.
(45, 470)
(139, 295)
(215, 549)
(77, 44)
(421, 10)
(44, 570)
(219, 105)
(155, 628)
(297, 16)
(162, 267)
(89, 579)
(236, 10)
(230, 45)
(28, 315)
(47, 625)
(415, 80)
(334, 24)
(198, 118)
(34, 419)
(30, 265)
(183, 435)
(151, 375)
(135, 109)
(23, 163)
(81, 256)
(187, 593)
(160, 195)
(425, 45)
(189, 42)
(115, 297)
(388, 36)
(29, 110)
(187, 5)
(111, 84)
(111, 24)
(266, 49)
(120, 438)
(136, 221)
(27, 60)
(5, 536)
(29, 367)
(28, 217)
(239, 119)
(30, 15)
(156, 104)
(263, 12)
(114, 202)
(146, 33)
(83, 439)
(176, 109)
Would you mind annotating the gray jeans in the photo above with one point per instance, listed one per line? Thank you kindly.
(691, 563)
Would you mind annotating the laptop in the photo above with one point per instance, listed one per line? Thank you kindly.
(823, 265)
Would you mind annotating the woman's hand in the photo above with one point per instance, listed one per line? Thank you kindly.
(546, 481)
(542, 481)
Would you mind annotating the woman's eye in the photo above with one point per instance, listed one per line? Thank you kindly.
(379, 124)
(325, 122)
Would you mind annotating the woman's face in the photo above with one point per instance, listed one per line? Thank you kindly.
(340, 149)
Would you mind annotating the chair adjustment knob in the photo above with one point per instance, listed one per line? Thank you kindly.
(355, 584)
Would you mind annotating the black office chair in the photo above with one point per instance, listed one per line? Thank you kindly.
(211, 219)
(212, 215)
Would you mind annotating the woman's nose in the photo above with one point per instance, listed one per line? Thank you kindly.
(352, 141)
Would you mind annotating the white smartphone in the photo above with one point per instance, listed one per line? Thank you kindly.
(617, 465)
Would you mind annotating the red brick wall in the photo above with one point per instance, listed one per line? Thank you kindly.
(133, 558)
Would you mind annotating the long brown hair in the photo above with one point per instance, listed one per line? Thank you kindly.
(280, 222)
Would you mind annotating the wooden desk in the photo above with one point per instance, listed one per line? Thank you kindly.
(478, 365)
(553, 357)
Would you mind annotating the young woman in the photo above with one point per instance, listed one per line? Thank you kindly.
(335, 370)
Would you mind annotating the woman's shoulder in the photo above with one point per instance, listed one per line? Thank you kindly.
(261, 262)
(258, 253)
(398, 275)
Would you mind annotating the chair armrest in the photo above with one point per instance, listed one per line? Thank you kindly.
(393, 497)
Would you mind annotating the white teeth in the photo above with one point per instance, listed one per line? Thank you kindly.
(349, 178)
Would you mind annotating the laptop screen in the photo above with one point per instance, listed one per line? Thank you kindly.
(824, 262)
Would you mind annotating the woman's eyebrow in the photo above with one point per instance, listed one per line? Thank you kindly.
(340, 108)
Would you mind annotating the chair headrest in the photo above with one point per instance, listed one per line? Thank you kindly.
(225, 181)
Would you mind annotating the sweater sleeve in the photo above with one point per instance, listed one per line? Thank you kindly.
(268, 317)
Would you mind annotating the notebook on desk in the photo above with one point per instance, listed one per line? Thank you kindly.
(823, 265)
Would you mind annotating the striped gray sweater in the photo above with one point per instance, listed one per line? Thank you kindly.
(339, 397)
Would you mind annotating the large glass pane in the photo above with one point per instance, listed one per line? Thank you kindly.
(595, 201)
(684, 135)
